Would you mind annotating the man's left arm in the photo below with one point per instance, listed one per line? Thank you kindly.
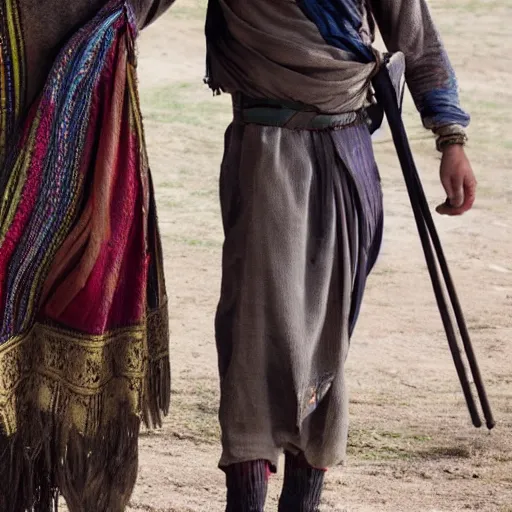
(407, 26)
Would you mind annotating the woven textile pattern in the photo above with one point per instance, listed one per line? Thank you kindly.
(84, 331)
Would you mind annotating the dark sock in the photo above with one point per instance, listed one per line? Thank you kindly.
(302, 487)
(246, 484)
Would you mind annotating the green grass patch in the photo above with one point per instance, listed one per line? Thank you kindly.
(197, 242)
(375, 444)
(195, 412)
(185, 103)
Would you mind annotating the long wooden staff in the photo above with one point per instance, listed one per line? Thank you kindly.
(387, 98)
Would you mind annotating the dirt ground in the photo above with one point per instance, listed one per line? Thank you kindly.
(412, 447)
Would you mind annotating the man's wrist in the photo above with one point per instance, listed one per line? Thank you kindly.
(448, 141)
(453, 150)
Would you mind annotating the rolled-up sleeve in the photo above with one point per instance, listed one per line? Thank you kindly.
(407, 26)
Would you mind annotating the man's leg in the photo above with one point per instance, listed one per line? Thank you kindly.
(302, 487)
(246, 484)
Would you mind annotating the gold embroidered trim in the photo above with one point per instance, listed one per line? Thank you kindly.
(82, 379)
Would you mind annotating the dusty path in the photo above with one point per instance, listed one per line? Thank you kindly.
(411, 447)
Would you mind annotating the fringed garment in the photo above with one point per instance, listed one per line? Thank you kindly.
(84, 331)
(302, 205)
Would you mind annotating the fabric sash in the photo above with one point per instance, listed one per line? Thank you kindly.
(255, 54)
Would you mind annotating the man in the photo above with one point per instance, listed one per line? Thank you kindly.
(83, 331)
(302, 213)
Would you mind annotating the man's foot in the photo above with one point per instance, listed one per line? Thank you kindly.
(246, 484)
(302, 486)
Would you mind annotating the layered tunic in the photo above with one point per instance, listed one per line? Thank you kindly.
(302, 205)
(83, 332)
(320, 54)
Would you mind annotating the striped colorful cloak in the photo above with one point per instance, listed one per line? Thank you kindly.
(84, 331)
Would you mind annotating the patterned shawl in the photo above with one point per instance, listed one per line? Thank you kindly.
(83, 334)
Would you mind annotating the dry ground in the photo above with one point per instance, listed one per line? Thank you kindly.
(412, 447)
